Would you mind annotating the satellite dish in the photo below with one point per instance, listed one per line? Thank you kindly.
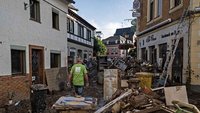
(136, 4)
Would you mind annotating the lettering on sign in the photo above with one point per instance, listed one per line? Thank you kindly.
(169, 34)
(150, 38)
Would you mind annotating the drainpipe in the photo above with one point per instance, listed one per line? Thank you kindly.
(188, 80)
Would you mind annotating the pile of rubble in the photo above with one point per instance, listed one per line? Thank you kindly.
(134, 99)
(130, 66)
(137, 99)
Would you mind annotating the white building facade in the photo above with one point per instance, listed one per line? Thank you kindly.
(80, 37)
(32, 39)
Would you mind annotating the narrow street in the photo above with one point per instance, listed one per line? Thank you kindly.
(99, 56)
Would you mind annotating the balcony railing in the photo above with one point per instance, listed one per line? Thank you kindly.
(79, 39)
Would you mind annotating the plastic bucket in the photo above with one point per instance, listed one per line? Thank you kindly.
(145, 79)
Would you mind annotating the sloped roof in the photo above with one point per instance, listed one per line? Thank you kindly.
(112, 40)
(122, 31)
(79, 18)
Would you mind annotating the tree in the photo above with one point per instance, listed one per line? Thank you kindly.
(99, 47)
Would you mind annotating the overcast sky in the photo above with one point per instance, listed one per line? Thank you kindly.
(106, 15)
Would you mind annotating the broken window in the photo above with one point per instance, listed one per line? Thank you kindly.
(55, 60)
(35, 10)
(55, 20)
(18, 62)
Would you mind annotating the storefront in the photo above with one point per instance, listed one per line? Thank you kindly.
(155, 45)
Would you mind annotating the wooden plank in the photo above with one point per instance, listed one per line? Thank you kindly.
(177, 93)
(111, 82)
(56, 78)
(110, 104)
(74, 111)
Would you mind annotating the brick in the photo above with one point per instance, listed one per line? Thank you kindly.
(18, 85)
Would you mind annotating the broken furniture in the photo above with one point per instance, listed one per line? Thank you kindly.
(68, 104)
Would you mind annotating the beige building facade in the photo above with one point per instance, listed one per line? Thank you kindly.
(156, 31)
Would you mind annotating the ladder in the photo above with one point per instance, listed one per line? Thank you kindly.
(171, 54)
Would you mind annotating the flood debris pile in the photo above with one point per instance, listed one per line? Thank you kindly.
(133, 99)
(129, 66)
(139, 97)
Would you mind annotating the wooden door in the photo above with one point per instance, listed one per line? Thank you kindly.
(37, 64)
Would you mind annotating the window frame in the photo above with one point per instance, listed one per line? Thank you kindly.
(71, 30)
(55, 19)
(159, 8)
(55, 58)
(68, 25)
(22, 65)
(174, 7)
(88, 35)
(80, 30)
(35, 10)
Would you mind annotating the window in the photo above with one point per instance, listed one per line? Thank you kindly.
(163, 53)
(70, 25)
(18, 62)
(116, 51)
(80, 30)
(55, 20)
(55, 60)
(85, 56)
(35, 10)
(112, 51)
(152, 54)
(175, 3)
(151, 10)
(159, 8)
(144, 54)
(88, 35)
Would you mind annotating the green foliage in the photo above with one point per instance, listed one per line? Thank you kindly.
(99, 47)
